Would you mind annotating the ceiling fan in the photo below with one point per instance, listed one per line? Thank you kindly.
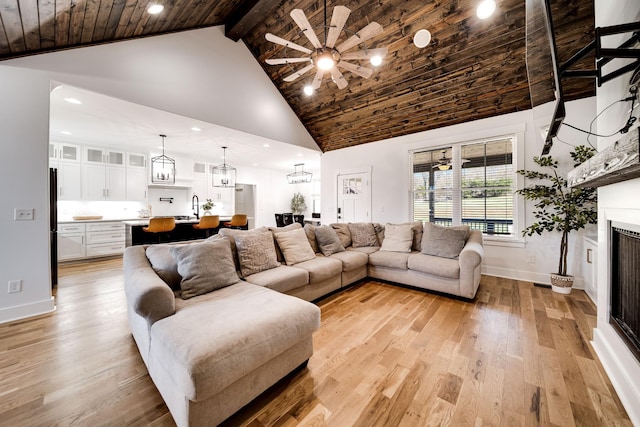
(444, 164)
(327, 57)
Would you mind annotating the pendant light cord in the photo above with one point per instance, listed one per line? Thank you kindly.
(325, 22)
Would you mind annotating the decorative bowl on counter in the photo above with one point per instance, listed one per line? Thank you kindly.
(86, 217)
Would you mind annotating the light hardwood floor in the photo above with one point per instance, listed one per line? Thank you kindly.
(384, 355)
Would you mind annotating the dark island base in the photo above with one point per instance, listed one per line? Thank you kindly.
(135, 235)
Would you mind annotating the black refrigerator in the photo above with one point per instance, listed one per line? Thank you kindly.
(53, 224)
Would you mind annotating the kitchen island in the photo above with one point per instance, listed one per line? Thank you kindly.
(135, 235)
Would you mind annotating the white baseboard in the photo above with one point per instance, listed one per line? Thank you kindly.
(619, 371)
(27, 310)
(526, 276)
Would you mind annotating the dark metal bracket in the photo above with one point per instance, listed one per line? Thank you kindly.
(606, 55)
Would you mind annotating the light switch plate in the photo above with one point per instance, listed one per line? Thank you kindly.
(23, 214)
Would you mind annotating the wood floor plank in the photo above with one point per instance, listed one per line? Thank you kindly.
(517, 355)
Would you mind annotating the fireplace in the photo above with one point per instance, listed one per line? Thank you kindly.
(624, 314)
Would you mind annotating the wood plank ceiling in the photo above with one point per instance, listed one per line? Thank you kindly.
(472, 69)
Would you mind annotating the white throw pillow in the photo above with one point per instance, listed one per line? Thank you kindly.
(294, 246)
(397, 238)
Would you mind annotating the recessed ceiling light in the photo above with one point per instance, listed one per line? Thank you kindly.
(422, 38)
(308, 90)
(65, 132)
(300, 154)
(73, 101)
(486, 8)
(266, 145)
(196, 129)
(155, 8)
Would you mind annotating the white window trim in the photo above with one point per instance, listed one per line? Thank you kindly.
(517, 133)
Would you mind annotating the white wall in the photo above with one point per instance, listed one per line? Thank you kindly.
(389, 161)
(616, 201)
(198, 74)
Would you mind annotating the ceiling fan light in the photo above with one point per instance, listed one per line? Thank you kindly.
(155, 8)
(485, 9)
(443, 167)
(376, 60)
(308, 90)
(325, 61)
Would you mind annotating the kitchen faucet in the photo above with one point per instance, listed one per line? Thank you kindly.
(195, 205)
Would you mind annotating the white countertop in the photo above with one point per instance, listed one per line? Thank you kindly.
(145, 221)
(77, 221)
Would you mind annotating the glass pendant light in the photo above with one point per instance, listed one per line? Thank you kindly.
(224, 175)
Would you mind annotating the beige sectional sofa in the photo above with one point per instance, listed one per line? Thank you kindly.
(213, 342)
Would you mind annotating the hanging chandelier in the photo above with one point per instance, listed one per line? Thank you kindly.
(224, 175)
(163, 168)
(299, 176)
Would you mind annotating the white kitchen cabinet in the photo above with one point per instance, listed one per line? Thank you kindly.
(137, 177)
(63, 151)
(105, 238)
(590, 268)
(69, 180)
(71, 242)
(104, 174)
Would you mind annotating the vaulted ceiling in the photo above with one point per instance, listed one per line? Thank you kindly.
(472, 69)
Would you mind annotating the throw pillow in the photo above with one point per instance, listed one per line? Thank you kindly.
(310, 230)
(397, 238)
(231, 234)
(328, 240)
(343, 233)
(256, 253)
(445, 242)
(275, 230)
(204, 267)
(164, 264)
(295, 246)
(363, 234)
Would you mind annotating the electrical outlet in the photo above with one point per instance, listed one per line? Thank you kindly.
(23, 214)
(15, 286)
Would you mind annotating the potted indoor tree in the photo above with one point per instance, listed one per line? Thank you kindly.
(298, 204)
(559, 208)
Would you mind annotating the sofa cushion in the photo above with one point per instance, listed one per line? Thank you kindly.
(351, 259)
(365, 250)
(443, 267)
(445, 242)
(294, 246)
(251, 325)
(256, 253)
(343, 233)
(164, 264)
(275, 230)
(310, 231)
(328, 240)
(204, 267)
(363, 234)
(321, 268)
(282, 279)
(389, 259)
(397, 238)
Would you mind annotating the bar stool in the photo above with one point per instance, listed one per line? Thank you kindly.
(160, 226)
(287, 218)
(279, 220)
(238, 221)
(208, 223)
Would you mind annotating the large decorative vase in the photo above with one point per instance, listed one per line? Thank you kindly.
(561, 284)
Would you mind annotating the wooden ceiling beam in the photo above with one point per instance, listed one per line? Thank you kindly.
(247, 16)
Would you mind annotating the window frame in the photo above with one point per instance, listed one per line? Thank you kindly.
(516, 133)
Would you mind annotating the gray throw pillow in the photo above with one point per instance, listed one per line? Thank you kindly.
(328, 240)
(204, 267)
(445, 242)
(310, 230)
(363, 234)
(397, 238)
(343, 233)
(256, 253)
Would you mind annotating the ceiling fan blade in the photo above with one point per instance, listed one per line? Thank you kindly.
(302, 21)
(317, 80)
(365, 54)
(371, 30)
(338, 78)
(292, 77)
(279, 40)
(356, 69)
(338, 19)
(282, 61)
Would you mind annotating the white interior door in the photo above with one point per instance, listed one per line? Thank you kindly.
(354, 197)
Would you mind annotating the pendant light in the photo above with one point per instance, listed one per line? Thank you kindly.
(224, 175)
(299, 176)
(163, 168)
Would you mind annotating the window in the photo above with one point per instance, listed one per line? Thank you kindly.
(470, 183)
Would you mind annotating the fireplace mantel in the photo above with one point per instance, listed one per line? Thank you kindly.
(618, 162)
